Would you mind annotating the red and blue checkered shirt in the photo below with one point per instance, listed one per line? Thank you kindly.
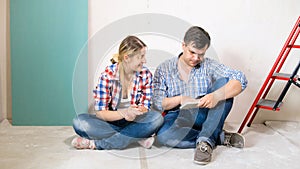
(108, 91)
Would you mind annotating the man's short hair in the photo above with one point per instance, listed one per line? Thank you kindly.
(197, 37)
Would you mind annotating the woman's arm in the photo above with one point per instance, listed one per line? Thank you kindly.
(109, 115)
(129, 114)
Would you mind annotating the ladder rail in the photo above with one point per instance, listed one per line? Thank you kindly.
(287, 49)
(249, 114)
(258, 96)
(289, 39)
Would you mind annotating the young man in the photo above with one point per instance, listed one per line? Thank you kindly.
(191, 77)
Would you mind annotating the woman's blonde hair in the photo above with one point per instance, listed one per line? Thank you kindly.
(129, 46)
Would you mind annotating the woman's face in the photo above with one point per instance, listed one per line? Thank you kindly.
(137, 61)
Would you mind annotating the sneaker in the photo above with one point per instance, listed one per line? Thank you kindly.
(234, 140)
(203, 153)
(83, 143)
(147, 143)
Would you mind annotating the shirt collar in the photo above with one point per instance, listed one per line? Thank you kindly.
(195, 67)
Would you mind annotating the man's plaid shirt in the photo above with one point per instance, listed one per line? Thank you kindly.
(167, 81)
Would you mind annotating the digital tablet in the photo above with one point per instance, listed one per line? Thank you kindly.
(189, 105)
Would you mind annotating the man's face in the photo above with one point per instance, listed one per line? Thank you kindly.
(193, 56)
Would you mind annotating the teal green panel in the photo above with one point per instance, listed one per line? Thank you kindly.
(47, 37)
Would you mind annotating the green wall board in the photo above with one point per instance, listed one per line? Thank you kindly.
(46, 39)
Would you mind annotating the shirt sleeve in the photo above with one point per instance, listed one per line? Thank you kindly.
(159, 89)
(217, 70)
(102, 93)
(147, 89)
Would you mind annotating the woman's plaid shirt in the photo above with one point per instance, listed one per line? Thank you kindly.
(108, 91)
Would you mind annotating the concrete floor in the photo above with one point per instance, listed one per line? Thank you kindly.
(273, 145)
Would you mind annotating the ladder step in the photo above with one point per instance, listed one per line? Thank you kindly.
(294, 46)
(282, 76)
(268, 104)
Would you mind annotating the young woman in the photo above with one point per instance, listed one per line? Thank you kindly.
(122, 104)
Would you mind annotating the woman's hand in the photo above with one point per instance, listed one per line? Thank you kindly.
(130, 113)
(142, 109)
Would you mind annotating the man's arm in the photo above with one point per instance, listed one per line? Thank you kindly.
(170, 103)
(159, 89)
(230, 90)
(236, 84)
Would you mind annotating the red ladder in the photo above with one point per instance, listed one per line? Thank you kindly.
(260, 100)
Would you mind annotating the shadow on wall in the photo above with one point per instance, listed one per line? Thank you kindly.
(1, 107)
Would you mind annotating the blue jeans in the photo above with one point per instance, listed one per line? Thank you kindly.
(117, 134)
(185, 128)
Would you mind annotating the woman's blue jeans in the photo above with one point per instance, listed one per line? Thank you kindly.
(185, 128)
(117, 134)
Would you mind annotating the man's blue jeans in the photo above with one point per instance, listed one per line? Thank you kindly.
(185, 128)
(117, 134)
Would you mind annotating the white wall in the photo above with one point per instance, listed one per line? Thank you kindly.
(3, 52)
(247, 35)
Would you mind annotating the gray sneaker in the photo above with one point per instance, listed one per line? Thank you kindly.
(234, 140)
(203, 153)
